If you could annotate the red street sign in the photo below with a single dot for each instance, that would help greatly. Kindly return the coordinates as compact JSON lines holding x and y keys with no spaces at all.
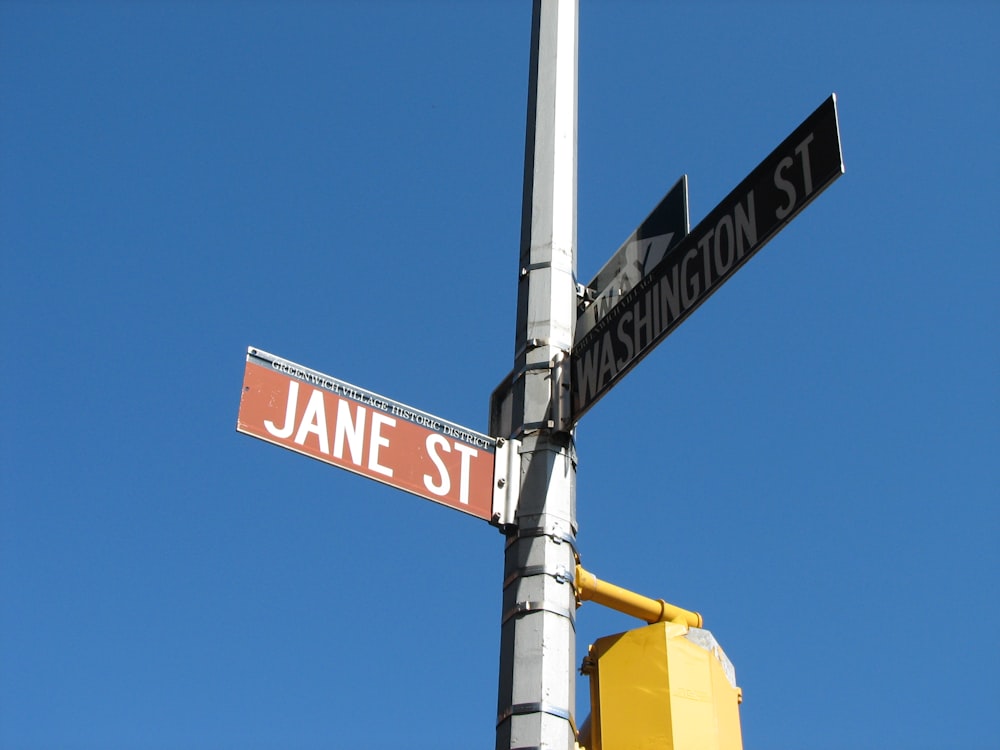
{"x":325,"y":418}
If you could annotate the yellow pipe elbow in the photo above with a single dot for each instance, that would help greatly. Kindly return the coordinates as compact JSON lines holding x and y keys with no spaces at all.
{"x":590,"y":588}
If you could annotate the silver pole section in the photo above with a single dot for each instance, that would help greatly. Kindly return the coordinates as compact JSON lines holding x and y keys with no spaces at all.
{"x":537,"y":694}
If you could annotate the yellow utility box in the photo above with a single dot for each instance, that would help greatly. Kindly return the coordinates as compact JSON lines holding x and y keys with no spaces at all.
{"x":666,"y":686}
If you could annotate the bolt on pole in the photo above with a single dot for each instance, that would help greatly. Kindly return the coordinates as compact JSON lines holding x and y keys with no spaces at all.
{"x":536,"y":695}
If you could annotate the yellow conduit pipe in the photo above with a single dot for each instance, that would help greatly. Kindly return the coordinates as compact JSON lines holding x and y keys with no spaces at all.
{"x":590,"y":588}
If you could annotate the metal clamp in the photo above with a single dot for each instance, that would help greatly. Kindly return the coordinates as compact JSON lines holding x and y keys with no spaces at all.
{"x":561,"y":392}
{"x":536,"y":343}
{"x":506,"y":483}
{"x":556,"y":369}
{"x":559,"y":572}
{"x":522,"y":709}
{"x":522,"y":608}
{"x":554,"y":532}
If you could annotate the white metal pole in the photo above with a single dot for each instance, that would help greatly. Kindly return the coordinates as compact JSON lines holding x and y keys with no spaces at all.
{"x":536,"y":696}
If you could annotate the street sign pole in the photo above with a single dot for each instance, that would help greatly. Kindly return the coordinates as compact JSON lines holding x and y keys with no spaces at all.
{"x":525,"y":483}
{"x":536,"y":692}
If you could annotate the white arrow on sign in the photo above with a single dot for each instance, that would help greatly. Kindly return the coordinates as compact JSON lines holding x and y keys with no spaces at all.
{"x":665,"y":226}
{"x":637,"y":258}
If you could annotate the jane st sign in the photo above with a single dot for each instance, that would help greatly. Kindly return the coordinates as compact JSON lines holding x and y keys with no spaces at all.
{"x":333,"y":421}
{"x":768,"y":198}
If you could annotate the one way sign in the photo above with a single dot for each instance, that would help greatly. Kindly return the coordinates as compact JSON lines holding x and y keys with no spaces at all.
{"x":666,"y":225}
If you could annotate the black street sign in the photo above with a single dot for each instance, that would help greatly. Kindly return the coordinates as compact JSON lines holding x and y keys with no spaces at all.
{"x":666,"y":225}
{"x":768,"y":198}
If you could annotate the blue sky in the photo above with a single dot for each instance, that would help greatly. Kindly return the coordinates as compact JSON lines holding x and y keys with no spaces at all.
{"x":809,"y":460}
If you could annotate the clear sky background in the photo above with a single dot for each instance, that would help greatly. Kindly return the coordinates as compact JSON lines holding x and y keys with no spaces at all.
{"x":810,"y":460}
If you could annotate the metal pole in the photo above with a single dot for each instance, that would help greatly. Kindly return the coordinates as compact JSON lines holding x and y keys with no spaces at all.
{"x":536,"y":696}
